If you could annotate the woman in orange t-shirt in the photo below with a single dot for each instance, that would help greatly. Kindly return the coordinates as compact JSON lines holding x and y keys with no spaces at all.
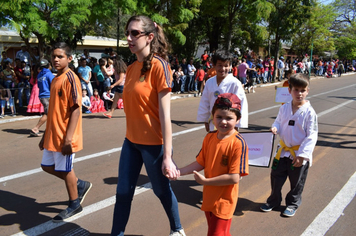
{"x":148,"y":139}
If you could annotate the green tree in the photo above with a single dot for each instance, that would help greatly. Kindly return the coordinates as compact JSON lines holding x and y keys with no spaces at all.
{"x":48,"y":20}
{"x":284,"y":21}
{"x":234,"y":22}
{"x":316,"y":30}
{"x":345,"y":28}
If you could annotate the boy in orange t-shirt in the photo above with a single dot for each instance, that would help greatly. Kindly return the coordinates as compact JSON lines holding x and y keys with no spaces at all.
{"x":63,"y":136}
{"x":224,"y":158}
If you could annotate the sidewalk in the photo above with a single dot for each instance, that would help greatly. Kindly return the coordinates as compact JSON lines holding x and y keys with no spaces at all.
{"x":23,"y":115}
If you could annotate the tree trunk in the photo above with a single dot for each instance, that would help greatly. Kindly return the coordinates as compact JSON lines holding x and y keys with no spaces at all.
{"x":118,"y":30}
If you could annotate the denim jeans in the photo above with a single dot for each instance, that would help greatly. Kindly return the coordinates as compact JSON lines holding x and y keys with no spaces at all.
{"x":107,"y":83}
{"x":183,"y":79}
{"x":24,"y":87}
{"x":88,"y":87}
{"x":265,"y":76}
{"x":133,"y":156}
{"x":192,"y":84}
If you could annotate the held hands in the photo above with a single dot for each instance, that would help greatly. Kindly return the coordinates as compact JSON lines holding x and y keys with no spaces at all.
{"x":169,"y":169}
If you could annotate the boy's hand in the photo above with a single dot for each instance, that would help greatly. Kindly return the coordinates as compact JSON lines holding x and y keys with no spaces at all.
{"x":67,"y":148}
{"x":273,"y":130}
{"x":199,"y":178}
{"x":298,"y":161}
{"x":40,"y":145}
{"x":207,"y":127}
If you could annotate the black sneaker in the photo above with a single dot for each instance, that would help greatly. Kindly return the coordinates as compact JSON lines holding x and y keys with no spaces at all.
{"x":67,"y":214}
{"x":83,"y":189}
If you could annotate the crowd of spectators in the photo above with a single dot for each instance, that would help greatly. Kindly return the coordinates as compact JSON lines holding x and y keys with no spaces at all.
{"x":251,"y":70}
{"x":18,"y":75}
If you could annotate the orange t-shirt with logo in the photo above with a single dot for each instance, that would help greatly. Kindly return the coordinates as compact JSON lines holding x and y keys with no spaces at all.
{"x":141,"y":103}
{"x":65,"y":92}
{"x":218,"y":157}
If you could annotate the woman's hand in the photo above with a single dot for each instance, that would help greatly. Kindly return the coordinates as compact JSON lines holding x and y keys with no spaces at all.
{"x":169,"y":169}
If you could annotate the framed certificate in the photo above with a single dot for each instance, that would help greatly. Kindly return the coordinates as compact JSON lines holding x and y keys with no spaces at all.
{"x":260,"y":147}
{"x":283,"y":95}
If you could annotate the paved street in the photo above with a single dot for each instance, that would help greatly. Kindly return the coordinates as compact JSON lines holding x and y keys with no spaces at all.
{"x":29,"y":198}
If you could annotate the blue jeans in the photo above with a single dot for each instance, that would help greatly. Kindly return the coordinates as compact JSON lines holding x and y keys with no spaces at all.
{"x":24,"y":87}
{"x":183,"y":79}
{"x":131,"y":160}
{"x":192,"y":83}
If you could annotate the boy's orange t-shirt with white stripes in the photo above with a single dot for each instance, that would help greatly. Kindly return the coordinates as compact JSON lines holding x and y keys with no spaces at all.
{"x":141,"y":103}
{"x":219,"y":157}
{"x":65,"y":92}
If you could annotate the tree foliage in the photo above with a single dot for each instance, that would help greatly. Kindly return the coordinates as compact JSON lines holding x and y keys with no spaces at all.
{"x":345,"y":28}
{"x":48,"y":20}
{"x":227,"y":24}
{"x":285,"y":20}
{"x":316,"y":31}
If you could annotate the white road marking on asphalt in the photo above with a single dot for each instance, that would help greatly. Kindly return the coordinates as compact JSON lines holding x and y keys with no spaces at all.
{"x":331,"y":213}
{"x":334,"y":108}
{"x":45,"y":227}
{"x":49,"y":225}
{"x":37,"y":170}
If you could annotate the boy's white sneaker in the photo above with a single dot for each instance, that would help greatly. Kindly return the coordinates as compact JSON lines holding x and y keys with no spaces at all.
{"x":178,"y":233}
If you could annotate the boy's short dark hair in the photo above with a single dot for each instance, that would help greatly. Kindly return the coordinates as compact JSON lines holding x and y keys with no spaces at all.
{"x":222,"y":56}
{"x":64,"y":47}
{"x":299,"y":80}
{"x":107,"y":88}
{"x":228,"y":101}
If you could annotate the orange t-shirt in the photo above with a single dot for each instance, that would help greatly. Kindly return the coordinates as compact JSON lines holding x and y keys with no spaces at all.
{"x":66,"y":91}
{"x":211,"y":72}
{"x":141,"y":103}
{"x":218,"y":157}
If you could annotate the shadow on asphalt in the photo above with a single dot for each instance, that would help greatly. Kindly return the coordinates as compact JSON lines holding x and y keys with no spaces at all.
{"x":25,"y":211}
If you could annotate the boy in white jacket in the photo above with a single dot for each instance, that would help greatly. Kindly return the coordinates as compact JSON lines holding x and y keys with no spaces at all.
{"x":297,"y":127}
{"x":223,"y":82}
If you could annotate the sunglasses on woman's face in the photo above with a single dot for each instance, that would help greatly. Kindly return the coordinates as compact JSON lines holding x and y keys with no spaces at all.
{"x":133,"y":33}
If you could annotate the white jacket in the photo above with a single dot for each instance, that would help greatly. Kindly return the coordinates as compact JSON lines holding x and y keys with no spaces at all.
{"x":229,"y":84}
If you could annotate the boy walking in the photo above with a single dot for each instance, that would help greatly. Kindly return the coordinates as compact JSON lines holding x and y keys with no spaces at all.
{"x":297,"y":127}
{"x":223,"y":82}
{"x":224,"y":158}
{"x":63,"y":136}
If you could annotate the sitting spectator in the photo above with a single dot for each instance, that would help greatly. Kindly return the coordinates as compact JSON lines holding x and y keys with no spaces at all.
{"x":97,"y":105}
{"x":85,"y":102}
{"x":8,"y":75}
{"x":108,"y":97}
{"x":6,"y":100}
